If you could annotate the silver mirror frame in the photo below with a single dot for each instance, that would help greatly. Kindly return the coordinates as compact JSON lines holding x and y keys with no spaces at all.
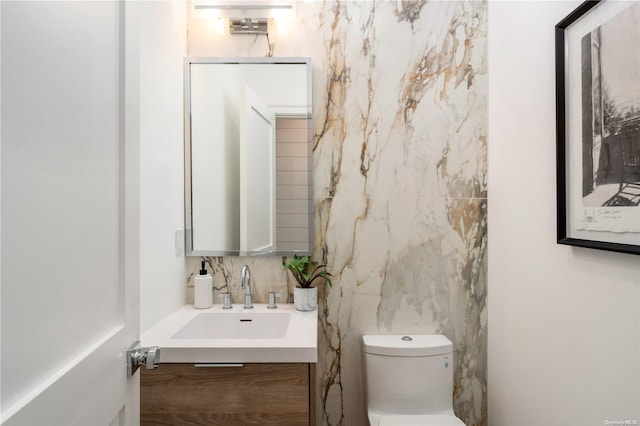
{"x":188,"y":201}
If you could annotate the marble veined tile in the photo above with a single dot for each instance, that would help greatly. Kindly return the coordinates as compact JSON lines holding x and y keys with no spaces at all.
{"x":400,"y":165}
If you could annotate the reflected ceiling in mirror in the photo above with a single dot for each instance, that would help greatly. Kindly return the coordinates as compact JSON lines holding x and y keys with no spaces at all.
{"x":248,"y":167}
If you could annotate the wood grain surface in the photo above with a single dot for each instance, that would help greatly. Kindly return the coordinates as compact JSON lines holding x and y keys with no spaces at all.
{"x":254,"y":394}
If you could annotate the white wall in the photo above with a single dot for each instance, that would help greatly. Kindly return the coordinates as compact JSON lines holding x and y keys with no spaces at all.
{"x":163,"y":47}
{"x":215,"y":159}
{"x":564,"y":324}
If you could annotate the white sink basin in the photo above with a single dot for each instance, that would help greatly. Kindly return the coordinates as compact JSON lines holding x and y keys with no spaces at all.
{"x":236,"y":325}
{"x":236,"y":335}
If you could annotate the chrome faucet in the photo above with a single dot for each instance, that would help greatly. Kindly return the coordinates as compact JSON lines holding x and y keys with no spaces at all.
{"x":245,"y":284}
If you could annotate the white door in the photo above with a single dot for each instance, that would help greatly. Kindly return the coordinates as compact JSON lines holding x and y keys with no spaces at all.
{"x":69,"y":217}
{"x":257,"y":175}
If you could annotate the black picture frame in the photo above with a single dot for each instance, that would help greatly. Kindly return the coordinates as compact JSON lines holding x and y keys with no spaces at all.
{"x":588,"y":119}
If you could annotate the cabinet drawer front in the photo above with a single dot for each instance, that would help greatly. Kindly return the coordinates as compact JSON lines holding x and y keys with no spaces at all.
{"x":254,"y":394}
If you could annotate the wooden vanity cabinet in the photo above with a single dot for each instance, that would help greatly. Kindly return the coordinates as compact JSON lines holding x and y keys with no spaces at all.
{"x":250,"y":394}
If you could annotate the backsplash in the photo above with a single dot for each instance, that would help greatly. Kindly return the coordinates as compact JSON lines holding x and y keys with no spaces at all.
{"x":400,"y":118}
{"x":266,"y":275}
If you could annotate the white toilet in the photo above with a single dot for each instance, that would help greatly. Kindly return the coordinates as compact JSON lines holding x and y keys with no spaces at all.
{"x":409,"y":380}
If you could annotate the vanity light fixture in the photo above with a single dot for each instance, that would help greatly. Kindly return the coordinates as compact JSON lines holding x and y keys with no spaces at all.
{"x":248,"y":26}
{"x":246,"y":17}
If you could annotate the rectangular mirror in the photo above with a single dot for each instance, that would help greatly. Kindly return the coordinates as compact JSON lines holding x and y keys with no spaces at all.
{"x":248,"y":162}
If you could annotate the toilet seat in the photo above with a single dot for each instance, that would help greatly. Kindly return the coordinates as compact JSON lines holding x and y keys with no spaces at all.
{"x":421,"y":420}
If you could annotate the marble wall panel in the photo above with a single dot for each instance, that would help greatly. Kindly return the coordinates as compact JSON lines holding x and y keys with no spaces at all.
{"x":400,"y":118}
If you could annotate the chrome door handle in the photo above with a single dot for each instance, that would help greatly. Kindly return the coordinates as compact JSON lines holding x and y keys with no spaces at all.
{"x":137,"y":356}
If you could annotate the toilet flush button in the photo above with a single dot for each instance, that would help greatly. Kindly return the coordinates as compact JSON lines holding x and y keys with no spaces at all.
{"x":407,"y":338}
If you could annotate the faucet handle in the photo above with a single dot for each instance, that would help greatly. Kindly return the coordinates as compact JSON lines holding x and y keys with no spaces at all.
{"x":226,"y":300}
{"x":271,"y":299}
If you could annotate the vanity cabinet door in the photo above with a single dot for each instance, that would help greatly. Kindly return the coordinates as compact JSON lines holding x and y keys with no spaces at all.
{"x":254,"y":394}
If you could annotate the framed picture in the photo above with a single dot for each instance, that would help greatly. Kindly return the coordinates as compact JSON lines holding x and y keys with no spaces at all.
{"x":598,"y":126}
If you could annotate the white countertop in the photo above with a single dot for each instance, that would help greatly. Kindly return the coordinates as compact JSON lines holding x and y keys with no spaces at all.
{"x":298,"y":345}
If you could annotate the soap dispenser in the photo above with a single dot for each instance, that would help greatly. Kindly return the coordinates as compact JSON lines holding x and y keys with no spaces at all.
{"x":203,"y":289}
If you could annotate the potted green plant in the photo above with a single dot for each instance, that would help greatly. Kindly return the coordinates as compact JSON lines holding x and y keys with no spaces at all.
{"x":306,"y":271}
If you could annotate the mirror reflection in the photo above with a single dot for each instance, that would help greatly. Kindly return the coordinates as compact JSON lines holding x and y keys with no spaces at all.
{"x":248,"y":156}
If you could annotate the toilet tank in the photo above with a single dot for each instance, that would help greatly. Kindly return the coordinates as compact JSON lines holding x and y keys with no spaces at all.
{"x":409,"y":374}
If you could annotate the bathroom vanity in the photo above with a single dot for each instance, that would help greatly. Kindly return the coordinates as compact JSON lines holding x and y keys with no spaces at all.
{"x":228,"y":394}
{"x":232,"y":366}
{"x":248,"y":192}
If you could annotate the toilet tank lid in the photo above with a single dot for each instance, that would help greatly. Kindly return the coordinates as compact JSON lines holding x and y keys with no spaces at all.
{"x":407,"y":344}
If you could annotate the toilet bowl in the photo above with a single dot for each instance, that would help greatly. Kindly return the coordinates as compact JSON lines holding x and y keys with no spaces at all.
{"x":409,"y":380}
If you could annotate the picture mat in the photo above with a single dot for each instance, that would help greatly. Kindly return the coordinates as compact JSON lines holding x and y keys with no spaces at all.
{"x":622,"y":224}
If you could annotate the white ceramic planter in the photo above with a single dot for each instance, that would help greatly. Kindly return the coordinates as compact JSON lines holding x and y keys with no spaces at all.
{"x":305,"y":299}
